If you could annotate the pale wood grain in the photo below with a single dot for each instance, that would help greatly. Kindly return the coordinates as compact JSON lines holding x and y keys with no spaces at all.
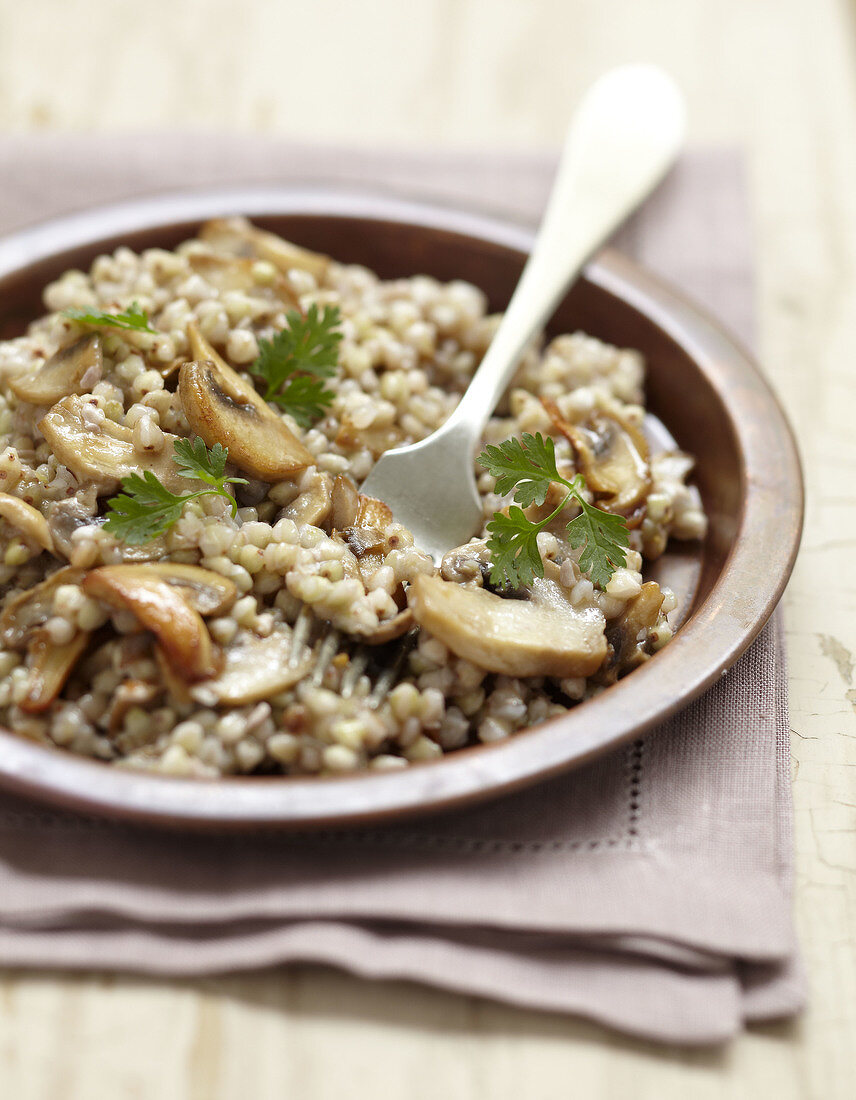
{"x":776,"y":75}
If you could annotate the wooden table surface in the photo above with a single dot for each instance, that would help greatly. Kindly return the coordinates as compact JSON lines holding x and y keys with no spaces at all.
{"x":776,"y":76}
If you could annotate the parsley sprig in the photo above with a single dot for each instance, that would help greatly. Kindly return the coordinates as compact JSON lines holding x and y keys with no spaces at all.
{"x":528,"y":466}
{"x":299,"y":359}
{"x":134,"y":317}
{"x":147,"y":509}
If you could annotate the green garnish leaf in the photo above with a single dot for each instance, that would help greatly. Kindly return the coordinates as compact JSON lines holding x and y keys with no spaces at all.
{"x":131,"y":318}
{"x":604,"y":539}
{"x":529,"y":463}
{"x":195,"y":460}
{"x":513,"y":545}
{"x":528,"y":467}
{"x":297,"y":358}
{"x":307,"y":399}
{"x":146,"y":509}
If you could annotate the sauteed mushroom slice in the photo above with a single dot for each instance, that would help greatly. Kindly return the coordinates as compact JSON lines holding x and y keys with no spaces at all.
{"x":373,"y":513}
{"x":67,"y":516}
{"x":33,"y":608}
{"x":351,"y":508}
{"x":219,"y":411}
{"x":50,"y":667}
{"x":163,"y":608}
{"x":628,"y":633}
{"x":313,"y":504}
{"x":27,"y":519}
{"x":344,"y":503}
{"x":543,"y":636}
{"x":104,"y":453}
{"x":238,"y":237}
{"x":73,"y":369}
{"x":257,"y":668}
{"x":206,"y":591}
{"x":612,"y":454}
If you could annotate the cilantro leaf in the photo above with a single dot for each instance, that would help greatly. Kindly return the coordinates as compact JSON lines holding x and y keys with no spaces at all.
{"x":195,"y":460}
{"x":604,"y":539}
{"x":306,"y":399}
{"x":298,"y":357}
{"x":134,"y":317}
{"x":146,"y":508}
{"x":513,"y":546}
{"x":528,"y":467}
{"x":143,"y":511}
{"x":529,"y":463}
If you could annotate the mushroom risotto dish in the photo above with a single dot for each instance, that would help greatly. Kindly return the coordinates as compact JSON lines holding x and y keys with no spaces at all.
{"x":192,"y":581}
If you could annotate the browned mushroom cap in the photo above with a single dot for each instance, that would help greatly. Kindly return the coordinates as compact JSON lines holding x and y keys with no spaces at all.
{"x":206,"y":591}
{"x":50,"y":667}
{"x":33,"y":608}
{"x":257,"y":668}
{"x":612,"y":454}
{"x":164,"y":609}
{"x":64,"y":373}
{"x":628,"y":634}
{"x":222,"y":408}
{"x":28,"y":520}
{"x":104,"y":454}
{"x":543,"y":636}
{"x":238,"y":237}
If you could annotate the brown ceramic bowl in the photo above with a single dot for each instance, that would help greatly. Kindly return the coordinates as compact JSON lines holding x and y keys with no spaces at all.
{"x":701,"y":385}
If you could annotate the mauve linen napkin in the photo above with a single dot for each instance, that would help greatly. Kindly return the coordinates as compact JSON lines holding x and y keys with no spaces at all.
{"x":649,"y":891}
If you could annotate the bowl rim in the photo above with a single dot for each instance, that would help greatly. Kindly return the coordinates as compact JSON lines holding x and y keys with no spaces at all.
{"x":720,"y":629}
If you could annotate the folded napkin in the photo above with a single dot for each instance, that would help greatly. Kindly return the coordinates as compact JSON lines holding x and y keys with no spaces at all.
{"x":649,"y":890}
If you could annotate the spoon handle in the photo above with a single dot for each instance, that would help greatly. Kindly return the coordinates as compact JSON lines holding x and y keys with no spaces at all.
{"x":622,"y":139}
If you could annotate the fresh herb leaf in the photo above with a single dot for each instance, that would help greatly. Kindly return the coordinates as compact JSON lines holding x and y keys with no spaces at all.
{"x":528,"y":466}
{"x":146,"y":508}
{"x":297,"y":358}
{"x":134,"y":317}
{"x":529,"y":463}
{"x":195,"y":460}
{"x":513,"y":546}
{"x":307,"y":399}
{"x":603,"y":537}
